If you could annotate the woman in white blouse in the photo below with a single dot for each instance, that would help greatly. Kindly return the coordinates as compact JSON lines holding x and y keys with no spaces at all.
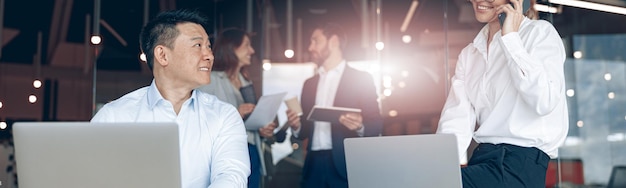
{"x":508,"y":95}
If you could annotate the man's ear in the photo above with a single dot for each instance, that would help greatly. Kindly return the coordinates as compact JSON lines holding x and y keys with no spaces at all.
{"x":160,"y":55}
{"x":333,"y":42}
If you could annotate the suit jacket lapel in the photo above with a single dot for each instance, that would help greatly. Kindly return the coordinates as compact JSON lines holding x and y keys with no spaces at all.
{"x":309,"y":93}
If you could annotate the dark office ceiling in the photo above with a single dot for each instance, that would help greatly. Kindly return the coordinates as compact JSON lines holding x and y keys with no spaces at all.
{"x":125,"y":17}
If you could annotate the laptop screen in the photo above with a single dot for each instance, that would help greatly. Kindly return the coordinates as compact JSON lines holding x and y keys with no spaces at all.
{"x":428,"y":160}
{"x":83,"y":154}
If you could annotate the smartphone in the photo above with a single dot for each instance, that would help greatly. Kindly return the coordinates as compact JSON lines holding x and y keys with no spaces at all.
{"x":525,"y":6}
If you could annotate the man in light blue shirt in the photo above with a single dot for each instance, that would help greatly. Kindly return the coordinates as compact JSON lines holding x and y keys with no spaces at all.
{"x":213,"y":141}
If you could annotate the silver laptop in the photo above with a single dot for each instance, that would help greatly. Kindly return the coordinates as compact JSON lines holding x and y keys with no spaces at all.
{"x":96,"y":155}
{"x":427,"y":160}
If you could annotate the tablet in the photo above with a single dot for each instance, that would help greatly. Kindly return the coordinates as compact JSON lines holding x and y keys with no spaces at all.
{"x":329,"y":114}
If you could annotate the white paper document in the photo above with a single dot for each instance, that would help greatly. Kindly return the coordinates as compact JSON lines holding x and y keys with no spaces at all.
{"x":265,"y":111}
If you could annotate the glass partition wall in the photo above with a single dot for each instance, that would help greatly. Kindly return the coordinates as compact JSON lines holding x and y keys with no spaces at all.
{"x":596,"y":86}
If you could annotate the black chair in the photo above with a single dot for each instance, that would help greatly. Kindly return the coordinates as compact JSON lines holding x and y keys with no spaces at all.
{"x":618,"y":177}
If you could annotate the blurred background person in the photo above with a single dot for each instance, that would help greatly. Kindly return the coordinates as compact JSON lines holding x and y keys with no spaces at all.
{"x":335,"y":85}
{"x":230,"y":83}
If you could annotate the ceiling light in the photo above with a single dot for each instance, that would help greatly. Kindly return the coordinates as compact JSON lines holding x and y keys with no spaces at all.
{"x":546,"y":8}
{"x":37,"y":84}
{"x":142,"y":57}
{"x":289,"y":53}
{"x":393,"y":113}
{"x":578,"y":54}
{"x":32,"y":98}
{"x":387,"y":92}
{"x":607,"y":76}
{"x":570,"y":92}
{"x":267,"y":65}
{"x":590,"y":5}
{"x":406,"y":39}
{"x":409,"y":15}
{"x":96,"y":39}
{"x":380,"y":46}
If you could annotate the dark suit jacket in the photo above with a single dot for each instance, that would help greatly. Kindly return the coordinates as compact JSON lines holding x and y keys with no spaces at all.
{"x":355,"y":90}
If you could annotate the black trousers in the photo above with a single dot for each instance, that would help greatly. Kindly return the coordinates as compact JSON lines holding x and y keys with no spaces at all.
{"x":505,"y":165}
{"x":321,"y":171}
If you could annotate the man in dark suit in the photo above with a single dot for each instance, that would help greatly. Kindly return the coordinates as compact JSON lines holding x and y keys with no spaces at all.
{"x":336,"y":85}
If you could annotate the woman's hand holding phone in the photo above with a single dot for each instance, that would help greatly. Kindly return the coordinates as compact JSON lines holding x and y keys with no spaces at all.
{"x":514,"y":13}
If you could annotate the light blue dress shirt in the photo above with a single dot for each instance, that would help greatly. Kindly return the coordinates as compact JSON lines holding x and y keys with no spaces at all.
{"x":213,"y":147}
{"x":224,"y":90}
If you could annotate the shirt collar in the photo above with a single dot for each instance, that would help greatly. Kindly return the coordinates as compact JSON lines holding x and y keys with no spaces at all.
{"x":154,"y":96}
{"x":480,"y":42}
{"x":193,"y":99}
{"x":338,"y":69}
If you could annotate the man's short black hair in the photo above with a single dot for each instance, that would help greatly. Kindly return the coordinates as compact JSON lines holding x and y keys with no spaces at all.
{"x":162,"y":30}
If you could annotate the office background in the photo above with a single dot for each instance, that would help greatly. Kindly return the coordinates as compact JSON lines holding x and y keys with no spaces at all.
{"x":50,"y":70}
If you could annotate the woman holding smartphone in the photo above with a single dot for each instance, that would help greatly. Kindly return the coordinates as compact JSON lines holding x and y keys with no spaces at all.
{"x":508,"y":94}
